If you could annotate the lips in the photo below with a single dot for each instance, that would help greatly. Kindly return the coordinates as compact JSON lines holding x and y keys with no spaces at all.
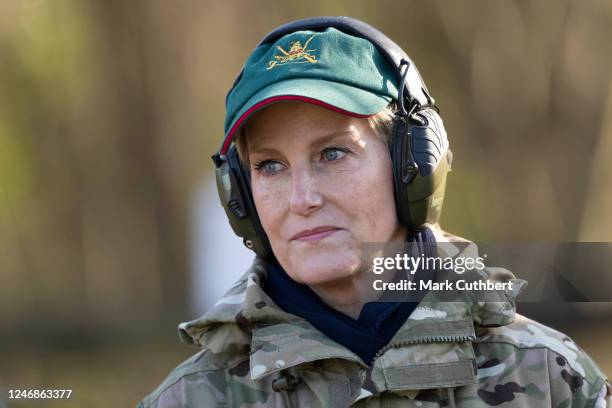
{"x":315,"y":234}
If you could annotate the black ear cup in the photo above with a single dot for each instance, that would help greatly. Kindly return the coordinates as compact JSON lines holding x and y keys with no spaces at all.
{"x":234,"y":187}
{"x":421,"y":160}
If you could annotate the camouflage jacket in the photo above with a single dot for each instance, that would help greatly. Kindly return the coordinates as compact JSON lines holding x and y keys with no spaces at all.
{"x":446,"y":354}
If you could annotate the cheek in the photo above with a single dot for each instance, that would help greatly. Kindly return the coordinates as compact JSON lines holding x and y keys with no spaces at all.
{"x":269,"y":201}
{"x":369,"y":197}
{"x":382,"y":184}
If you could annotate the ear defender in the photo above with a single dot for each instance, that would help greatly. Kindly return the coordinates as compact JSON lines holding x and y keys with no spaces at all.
{"x":234,"y":187}
{"x":419,"y":148}
{"x":421,"y":160}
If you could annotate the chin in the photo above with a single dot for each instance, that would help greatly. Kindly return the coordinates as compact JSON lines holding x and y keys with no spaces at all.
{"x":321,"y":267}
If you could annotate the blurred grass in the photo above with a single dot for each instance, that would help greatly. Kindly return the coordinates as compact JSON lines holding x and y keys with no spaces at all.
{"x":106,"y":376}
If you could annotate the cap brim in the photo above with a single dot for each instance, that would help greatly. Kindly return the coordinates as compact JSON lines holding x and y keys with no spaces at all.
{"x":336,"y":96}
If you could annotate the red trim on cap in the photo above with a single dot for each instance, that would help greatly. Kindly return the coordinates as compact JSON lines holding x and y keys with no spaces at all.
{"x":261,"y":104}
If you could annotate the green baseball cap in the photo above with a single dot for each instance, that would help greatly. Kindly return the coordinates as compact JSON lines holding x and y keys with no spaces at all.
{"x":329,"y":68}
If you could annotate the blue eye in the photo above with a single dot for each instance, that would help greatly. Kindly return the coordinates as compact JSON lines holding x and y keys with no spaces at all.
{"x":268,"y":167}
{"x":333,"y":153}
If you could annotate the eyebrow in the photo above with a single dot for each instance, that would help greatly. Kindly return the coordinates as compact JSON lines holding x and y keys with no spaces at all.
{"x":313,"y":145}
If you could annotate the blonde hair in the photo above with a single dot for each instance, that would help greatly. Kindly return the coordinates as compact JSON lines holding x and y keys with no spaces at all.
{"x":382,"y":123}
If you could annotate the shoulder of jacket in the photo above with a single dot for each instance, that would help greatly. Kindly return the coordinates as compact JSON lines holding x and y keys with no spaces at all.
{"x":525,"y":333}
{"x":445,"y":236}
{"x":203,"y":371}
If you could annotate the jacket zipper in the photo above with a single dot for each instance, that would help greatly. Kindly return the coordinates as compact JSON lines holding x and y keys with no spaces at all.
{"x":424,"y":340}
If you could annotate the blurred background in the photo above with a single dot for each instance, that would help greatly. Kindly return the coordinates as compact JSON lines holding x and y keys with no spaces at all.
{"x":110,"y":229}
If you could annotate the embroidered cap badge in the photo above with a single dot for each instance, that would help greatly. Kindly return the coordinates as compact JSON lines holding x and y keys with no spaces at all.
{"x":297,"y":54}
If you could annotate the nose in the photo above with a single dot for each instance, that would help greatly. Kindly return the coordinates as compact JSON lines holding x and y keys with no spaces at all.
{"x":305,"y":195}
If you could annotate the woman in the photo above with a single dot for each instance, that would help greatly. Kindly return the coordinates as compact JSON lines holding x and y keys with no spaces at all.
{"x":317,"y":118}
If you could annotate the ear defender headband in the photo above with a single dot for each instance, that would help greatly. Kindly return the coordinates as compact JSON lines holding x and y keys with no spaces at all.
{"x":419,"y":149}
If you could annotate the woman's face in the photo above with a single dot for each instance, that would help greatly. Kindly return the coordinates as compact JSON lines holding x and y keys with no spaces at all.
{"x":322,"y":185}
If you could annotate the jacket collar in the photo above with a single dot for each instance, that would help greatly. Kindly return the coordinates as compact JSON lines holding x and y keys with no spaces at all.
{"x":434,"y":344}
